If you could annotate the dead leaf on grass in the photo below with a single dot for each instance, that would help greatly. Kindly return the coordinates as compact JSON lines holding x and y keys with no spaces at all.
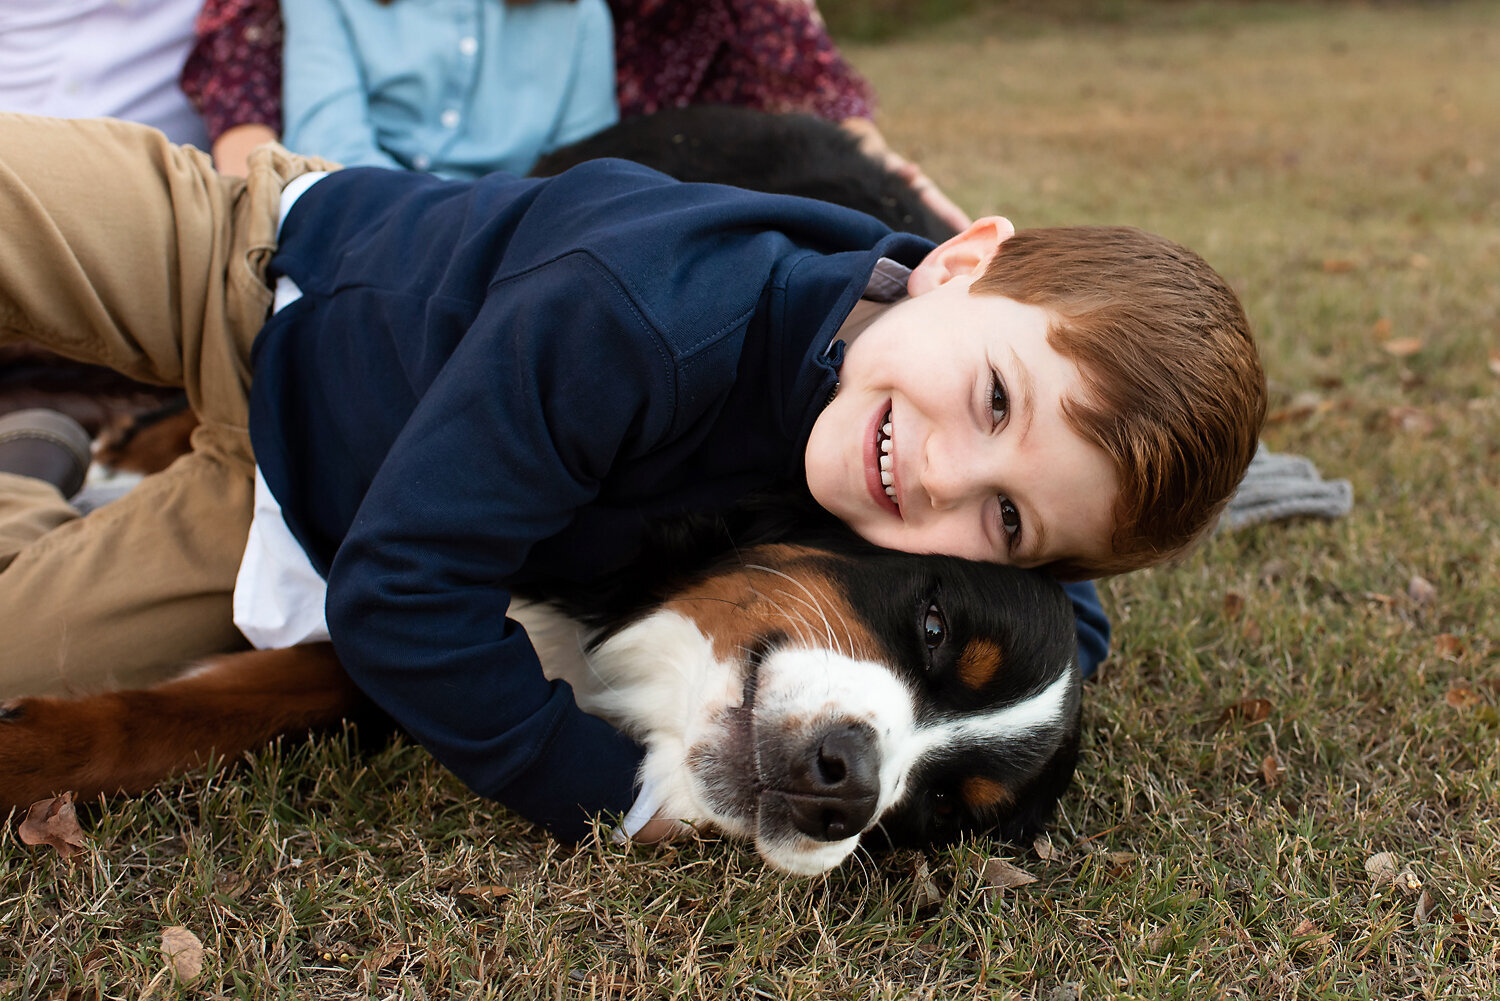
{"x":53,"y":822}
{"x":378,"y":959}
{"x":230,"y":884}
{"x":1426,"y":904}
{"x":1246,"y":712}
{"x":1382,"y":328}
{"x":1275,"y":570}
{"x":486,"y":892}
{"x":1412,"y":420}
{"x":1044,"y":849}
{"x":183,"y":951}
{"x":1381,"y":868}
{"x":1311,"y":937}
{"x":1462,"y":696}
{"x":1337,"y":265}
{"x":1421,"y":591}
{"x":924,"y":889}
{"x":1270,"y":771}
{"x":1403,"y":347}
{"x":1234,"y":604}
{"x":996,"y":874}
{"x":1449,"y":646}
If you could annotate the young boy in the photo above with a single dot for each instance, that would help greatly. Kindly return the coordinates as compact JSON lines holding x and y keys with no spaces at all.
{"x":473,"y":383}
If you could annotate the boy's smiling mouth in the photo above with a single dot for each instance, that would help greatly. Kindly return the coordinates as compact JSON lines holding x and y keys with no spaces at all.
{"x":880,"y":474}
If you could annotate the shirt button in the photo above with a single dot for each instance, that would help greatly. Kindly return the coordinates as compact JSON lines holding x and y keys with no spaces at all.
{"x":421,"y":161}
{"x":450,"y":118}
{"x":468,"y":45}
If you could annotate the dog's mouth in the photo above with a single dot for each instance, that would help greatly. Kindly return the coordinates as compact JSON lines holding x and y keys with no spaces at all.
{"x":727,"y":767}
{"x":739,"y":720}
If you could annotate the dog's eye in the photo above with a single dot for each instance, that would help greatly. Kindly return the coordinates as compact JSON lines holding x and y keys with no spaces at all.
{"x":934,"y":627}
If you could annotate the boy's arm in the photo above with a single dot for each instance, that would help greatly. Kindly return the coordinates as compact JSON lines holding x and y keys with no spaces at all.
{"x":511,"y":439}
{"x":1092,"y":625}
{"x":326,"y":107}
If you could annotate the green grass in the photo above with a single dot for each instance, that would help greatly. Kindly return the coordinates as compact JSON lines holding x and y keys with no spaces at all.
{"x":1342,"y":166}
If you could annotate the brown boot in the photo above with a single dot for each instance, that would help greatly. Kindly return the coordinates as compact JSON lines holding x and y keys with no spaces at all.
{"x":46,"y":445}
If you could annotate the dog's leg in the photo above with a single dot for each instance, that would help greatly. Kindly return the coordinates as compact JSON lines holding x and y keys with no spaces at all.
{"x":128,"y":741}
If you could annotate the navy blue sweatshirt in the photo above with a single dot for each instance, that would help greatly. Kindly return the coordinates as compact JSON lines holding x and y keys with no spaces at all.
{"x":486,"y":381}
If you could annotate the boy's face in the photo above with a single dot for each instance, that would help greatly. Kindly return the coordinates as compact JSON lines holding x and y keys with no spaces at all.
{"x":959,"y":397}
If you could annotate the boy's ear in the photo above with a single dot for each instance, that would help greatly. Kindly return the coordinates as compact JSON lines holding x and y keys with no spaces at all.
{"x":968,"y":253}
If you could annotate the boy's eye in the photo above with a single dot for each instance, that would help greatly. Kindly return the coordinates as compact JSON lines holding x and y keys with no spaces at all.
{"x":1010,"y":519}
{"x":999,"y":401}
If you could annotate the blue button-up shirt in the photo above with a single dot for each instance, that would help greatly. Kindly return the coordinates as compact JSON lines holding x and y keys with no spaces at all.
{"x":458,"y":88}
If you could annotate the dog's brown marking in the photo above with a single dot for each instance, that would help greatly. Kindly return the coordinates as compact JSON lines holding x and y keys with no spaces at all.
{"x":128,"y":741}
{"x":984,"y":794}
{"x":979,"y":663}
{"x":147,"y":442}
{"x":780,"y":589}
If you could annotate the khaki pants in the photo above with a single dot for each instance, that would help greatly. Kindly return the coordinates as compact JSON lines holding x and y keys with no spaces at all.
{"x":120,"y":249}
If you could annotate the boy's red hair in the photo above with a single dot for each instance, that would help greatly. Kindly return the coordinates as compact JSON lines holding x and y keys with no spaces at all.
{"x":1175,"y":391}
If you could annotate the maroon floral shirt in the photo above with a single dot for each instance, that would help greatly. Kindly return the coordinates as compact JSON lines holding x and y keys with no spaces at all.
{"x":233,"y":74}
{"x":774,"y":55}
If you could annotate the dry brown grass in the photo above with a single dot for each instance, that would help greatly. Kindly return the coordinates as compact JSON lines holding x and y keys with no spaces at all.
{"x":1342,"y":166}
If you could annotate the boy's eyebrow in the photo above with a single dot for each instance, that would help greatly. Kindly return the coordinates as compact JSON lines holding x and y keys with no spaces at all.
{"x":1025,"y":392}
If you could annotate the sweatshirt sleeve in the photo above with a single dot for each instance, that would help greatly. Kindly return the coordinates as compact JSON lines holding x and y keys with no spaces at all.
{"x":1091,"y":623}
{"x":498,"y":455}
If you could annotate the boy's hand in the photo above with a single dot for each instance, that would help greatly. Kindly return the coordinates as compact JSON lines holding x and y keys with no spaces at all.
{"x":873,"y":144}
{"x":646,"y":823}
{"x":661,"y":828}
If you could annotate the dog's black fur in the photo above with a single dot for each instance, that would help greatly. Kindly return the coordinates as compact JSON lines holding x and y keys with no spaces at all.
{"x":789,"y":154}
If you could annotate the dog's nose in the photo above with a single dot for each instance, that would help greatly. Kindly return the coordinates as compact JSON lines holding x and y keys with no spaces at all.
{"x":835,"y":782}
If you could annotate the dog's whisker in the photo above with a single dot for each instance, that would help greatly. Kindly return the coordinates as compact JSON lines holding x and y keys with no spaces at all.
{"x":812,"y":601}
{"x":804,"y":625}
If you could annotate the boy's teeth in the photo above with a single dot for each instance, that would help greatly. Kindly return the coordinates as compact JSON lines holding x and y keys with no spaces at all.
{"x":886,"y":478}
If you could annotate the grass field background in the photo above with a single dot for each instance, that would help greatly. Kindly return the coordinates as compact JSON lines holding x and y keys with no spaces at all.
{"x":1289,"y":787}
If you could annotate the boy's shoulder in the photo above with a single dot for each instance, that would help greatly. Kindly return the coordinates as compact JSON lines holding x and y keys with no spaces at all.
{"x":691,"y":259}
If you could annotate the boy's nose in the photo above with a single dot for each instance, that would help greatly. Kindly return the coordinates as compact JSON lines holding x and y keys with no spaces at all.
{"x":949,"y":477}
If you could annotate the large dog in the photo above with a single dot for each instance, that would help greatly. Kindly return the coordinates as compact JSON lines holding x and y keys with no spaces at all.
{"x":800,"y":693}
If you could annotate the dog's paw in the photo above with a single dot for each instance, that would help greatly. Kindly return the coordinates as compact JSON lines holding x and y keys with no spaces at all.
{"x":32,"y":753}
